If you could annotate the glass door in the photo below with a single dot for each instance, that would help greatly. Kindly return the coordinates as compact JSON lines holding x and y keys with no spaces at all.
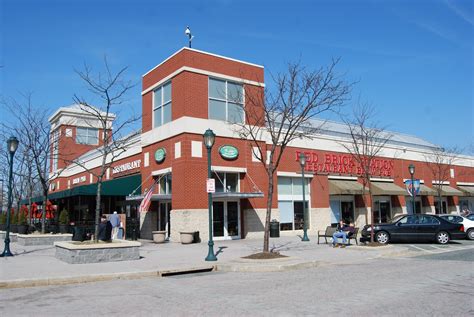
{"x":382,"y":211}
{"x":226,"y":220}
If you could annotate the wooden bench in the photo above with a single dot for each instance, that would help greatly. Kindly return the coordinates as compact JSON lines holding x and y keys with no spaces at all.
{"x":331,"y":230}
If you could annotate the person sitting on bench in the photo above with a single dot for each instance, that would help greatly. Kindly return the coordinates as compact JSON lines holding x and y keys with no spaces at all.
{"x":344,"y":231}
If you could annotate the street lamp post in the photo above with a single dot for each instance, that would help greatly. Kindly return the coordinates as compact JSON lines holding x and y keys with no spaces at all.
{"x":411,"y":169}
{"x":305,"y":211}
{"x":12,"y":145}
{"x":209,"y":138}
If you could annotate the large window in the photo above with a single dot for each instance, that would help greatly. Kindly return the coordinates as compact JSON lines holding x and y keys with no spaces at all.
{"x":162,"y":105}
{"x":290,"y":202}
{"x":226,"y":182}
{"x":88,"y":136}
{"x":226,"y":101}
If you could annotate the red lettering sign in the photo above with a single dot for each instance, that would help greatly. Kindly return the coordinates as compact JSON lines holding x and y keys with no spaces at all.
{"x":344,"y":164}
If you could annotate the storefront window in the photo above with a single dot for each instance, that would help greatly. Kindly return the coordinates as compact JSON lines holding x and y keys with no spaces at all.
{"x":382,"y":212}
{"x":226,"y":182}
{"x":165,"y":184}
{"x":290,"y":202}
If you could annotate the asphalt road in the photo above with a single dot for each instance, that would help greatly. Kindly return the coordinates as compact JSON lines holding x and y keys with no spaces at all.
{"x":436,"y":284}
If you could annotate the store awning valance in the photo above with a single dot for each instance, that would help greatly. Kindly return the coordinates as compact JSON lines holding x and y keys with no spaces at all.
{"x":426,"y":191}
{"x":345,"y":187}
{"x":450,"y":191}
{"x":467,"y":190}
{"x":238,"y":195}
{"x":386,"y":188}
{"x":122,"y":186}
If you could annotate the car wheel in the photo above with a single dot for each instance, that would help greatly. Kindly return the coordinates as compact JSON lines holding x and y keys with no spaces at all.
{"x":382,"y":237}
{"x":442,"y":237}
{"x":470,"y":234}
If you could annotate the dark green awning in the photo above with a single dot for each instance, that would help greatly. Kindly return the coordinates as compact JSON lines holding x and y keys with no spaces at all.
{"x":123,"y":186}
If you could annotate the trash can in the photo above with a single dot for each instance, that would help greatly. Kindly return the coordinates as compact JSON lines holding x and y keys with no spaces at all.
{"x":77,"y":234}
{"x":274,"y":229}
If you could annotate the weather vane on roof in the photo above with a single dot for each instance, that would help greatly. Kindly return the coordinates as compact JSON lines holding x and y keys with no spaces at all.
{"x":190,"y":36}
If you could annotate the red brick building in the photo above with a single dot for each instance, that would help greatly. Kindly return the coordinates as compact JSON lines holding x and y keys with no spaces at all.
{"x":193,"y":91}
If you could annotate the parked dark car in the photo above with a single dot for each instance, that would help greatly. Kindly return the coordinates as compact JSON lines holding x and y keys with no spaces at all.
{"x":415,"y":228}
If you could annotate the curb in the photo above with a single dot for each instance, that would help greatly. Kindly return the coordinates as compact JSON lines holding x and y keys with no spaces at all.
{"x":65,"y":280}
{"x":266,"y":267}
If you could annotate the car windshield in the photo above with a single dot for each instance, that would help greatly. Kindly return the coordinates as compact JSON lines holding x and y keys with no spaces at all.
{"x":470,"y":217}
{"x":395,"y":219}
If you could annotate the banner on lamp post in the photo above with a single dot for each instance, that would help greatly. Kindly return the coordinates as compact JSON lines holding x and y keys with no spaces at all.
{"x":415,"y":186}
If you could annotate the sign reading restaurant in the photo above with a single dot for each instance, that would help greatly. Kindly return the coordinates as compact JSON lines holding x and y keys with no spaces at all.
{"x":126,"y":167}
{"x":343,"y":164}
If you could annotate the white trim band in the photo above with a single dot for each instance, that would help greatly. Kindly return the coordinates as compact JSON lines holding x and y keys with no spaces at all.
{"x":202,"y":72}
{"x":228,"y":169}
{"x":162,"y":171}
{"x":293,"y":174}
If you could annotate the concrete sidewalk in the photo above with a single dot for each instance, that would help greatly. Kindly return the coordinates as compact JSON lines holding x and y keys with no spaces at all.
{"x":37,"y":265}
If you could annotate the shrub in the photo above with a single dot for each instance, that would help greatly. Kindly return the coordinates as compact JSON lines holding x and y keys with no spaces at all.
{"x":13,"y":218}
{"x":64,"y":217}
{"x":22,"y":218}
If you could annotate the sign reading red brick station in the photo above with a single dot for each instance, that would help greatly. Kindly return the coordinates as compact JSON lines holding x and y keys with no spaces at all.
{"x":343,"y":164}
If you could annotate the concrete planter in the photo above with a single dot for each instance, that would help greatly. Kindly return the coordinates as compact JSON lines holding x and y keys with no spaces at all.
{"x":42,"y":239}
{"x":13,"y":236}
{"x":80,"y":253}
{"x":187,"y":237}
{"x":159,"y":236}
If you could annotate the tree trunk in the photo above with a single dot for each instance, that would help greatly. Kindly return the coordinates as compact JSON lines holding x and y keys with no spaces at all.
{"x":97,"y":209}
{"x":43,"y":215}
{"x":266,"y":236}
{"x":372,"y":213}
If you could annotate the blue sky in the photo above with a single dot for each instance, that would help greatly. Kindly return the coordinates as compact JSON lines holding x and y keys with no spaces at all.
{"x":413,"y":60}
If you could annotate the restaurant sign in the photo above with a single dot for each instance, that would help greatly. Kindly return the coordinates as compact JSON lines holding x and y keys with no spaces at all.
{"x":78,"y":180}
{"x":126,"y":167}
{"x":228,"y":152}
{"x":344,"y":164}
{"x":160,"y":155}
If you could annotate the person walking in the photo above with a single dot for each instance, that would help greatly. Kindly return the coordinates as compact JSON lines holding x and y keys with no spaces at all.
{"x":115,"y":221}
{"x":105,"y":230}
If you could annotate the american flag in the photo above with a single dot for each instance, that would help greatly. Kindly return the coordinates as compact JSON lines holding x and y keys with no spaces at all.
{"x":145,"y":204}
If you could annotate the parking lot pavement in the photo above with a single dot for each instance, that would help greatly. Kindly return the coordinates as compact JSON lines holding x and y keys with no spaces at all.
{"x":433,"y":248}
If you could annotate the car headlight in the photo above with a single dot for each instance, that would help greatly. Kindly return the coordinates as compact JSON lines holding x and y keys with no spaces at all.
{"x":369,"y":229}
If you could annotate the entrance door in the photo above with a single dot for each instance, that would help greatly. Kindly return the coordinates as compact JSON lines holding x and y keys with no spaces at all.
{"x":226,"y":220}
{"x":164,"y":218}
{"x":382,"y":211}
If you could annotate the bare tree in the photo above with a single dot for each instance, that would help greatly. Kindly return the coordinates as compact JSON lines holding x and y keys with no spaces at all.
{"x":440,"y":162}
{"x":110,"y":88}
{"x":33,"y":130}
{"x":367,"y":139}
{"x":275,"y":119}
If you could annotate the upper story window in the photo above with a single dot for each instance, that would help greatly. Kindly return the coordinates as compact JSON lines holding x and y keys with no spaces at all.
{"x":55,"y":145}
{"x":88,"y":136}
{"x":162,"y":105}
{"x":226,"y":101}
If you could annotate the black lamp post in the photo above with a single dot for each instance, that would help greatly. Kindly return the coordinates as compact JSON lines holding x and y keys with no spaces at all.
{"x":411,"y":169}
{"x":305,"y":211}
{"x":12,"y":145}
{"x":209,"y":138}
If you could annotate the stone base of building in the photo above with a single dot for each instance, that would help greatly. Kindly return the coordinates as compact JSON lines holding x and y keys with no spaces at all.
{"x":80,"y":253}
{"x":42,"y":239}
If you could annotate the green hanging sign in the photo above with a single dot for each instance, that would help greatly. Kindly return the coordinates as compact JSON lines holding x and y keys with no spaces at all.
{"x":229,"y":152}
{"x":160,"y":155}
